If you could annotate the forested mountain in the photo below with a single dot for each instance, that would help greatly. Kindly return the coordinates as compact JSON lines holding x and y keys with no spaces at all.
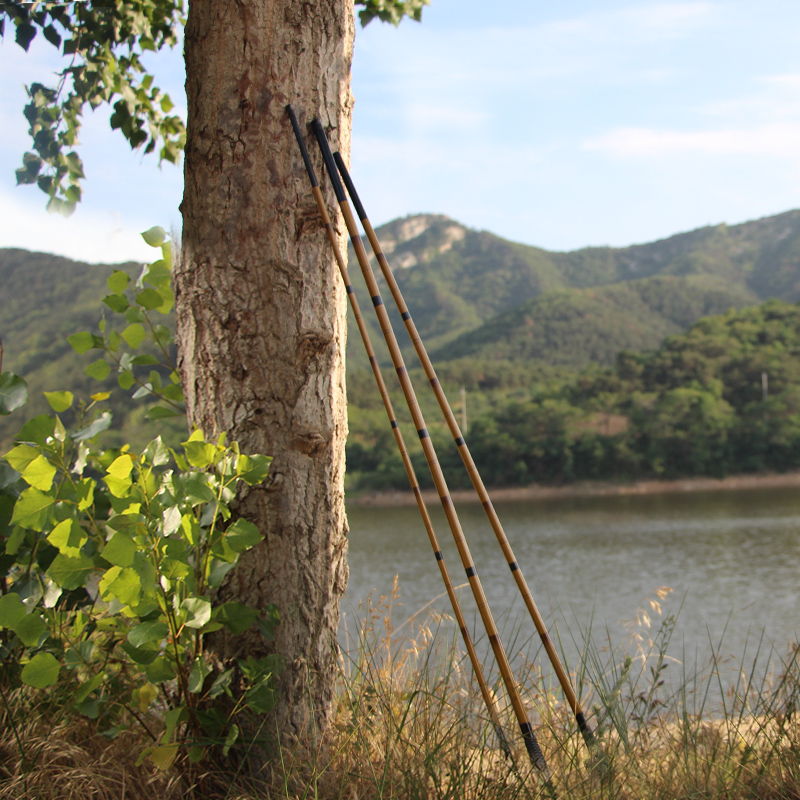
{"x":455,"y":280}
{"x":498,"y":316}
{"x":44,"y":299}
{"x":721,"y":398}
{"x":575,"y":326}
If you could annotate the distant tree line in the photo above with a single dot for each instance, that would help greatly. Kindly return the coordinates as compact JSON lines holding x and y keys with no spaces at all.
{"x":722,"y":398}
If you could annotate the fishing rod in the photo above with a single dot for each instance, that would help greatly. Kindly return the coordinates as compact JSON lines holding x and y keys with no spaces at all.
{"x":466,"y":457}
{"x":401,"y":446}
{"x":531,"y":744}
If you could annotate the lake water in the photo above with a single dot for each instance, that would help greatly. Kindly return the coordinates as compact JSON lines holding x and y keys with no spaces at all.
{"x":731,"y":558}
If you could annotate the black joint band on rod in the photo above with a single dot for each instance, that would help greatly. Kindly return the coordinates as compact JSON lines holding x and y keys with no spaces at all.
{"x":394,"y":423}
{"x":406,"y":315}
{"x":513,"y":566}
{"x":348,"y":182}
{"x":532,"y":746}
{"x":423,"y":433}
{"x":325,"y":149}
{"x":439,"y":555}
{"x":303,"y":151}
{"x":377,"y":300}
{"x":349,"y":289}
{"x":460,"y":441}
{"x":471,"y":572}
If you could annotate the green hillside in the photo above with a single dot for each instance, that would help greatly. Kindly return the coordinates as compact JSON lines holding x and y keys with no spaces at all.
{"x":455,"y":279}
{"x":721,"y":398}
{"x":44,"y":299}
{"x":497,"y":315}
{"x":575,"y":326}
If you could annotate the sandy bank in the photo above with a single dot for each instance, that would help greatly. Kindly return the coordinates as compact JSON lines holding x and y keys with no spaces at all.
{"x":591,"y":489}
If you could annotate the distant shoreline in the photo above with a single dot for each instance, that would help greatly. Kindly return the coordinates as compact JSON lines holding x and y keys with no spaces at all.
{"x":590,"y":489}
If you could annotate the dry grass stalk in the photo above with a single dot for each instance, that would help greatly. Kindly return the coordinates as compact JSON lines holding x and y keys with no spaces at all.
{"x":410,"y":724}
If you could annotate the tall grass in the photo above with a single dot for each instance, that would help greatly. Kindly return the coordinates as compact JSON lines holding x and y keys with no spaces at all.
{"x":410,"y":723}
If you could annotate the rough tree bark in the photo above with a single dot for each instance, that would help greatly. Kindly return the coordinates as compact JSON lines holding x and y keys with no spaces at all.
{"x":261,"y":310}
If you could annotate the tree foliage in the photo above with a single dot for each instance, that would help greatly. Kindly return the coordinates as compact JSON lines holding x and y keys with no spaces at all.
{"x":722,"y":398}
{"x":102,"y":44}
{"x":110,"y":559}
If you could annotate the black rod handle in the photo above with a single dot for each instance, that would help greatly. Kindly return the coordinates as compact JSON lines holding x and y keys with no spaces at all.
{"x":327,"y":156}
{"x":348,"y":182}
{"x":303,"y":151}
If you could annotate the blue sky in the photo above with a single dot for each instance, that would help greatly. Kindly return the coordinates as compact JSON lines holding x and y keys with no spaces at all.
{"x":560,"y":125}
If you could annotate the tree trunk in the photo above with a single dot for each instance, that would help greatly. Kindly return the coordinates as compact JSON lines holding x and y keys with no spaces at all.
{"x":261,"y":312}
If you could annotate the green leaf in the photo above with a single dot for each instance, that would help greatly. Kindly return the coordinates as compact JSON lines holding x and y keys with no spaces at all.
{"x":82,"y":342}
{"x":121,"y":466}
{"x":230,"y":739}
{"x":38,"y":430}
{"x":236,"y":617}
{"x":39,"y":474}
{"x":156,"y":453}
{"x":269,"y":622}
{"x":84,"y":493}
{"x":145,"y":361}
{"x":197,"y":675}
{"x":221,"y":683}
{"x":32,"y":509}
{"x":102,"y":423}
{"x":148,"y":633}
{"x":123,"y":583}
{"x":134,"y":335}
{"x":114,"y":341}
{"x":21,"y":456}
{"x":190,"y":528}
{"x":253,"y":469}
{"x":154,"y":236}
{"x":13,"y":392}
{"x":69,"y":537}
{"x":118,"y":281}
{"x":120,"y":550}
{"x":163,"y":412}
{"x":70,"y":573}
{"x":164,"y":756}
{"x":198,"y":611}
{"x":41,"y":671}
{"x":242,"y":535}
{"x":135,"y":314}
{"x":12,"y":610}
{"x":14,"y":542}
{"x":85,"y":689}
{"x":149,"y":299}
{"x":30,"y":629}
{"x":199,"y":453}
{"x":161,"y":670}
{"x":140,"y":655}
{"x":99,"y":370}
{"x":118,"y":478}
{"x":126,"y":379}
{"x":59,"y":401}
{"x":261,"y":698}
{"x":117,"y":303}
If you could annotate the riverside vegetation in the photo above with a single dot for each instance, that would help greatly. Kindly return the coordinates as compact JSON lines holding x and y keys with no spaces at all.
{"x":111,"y":555}
{"x":547,"y":346}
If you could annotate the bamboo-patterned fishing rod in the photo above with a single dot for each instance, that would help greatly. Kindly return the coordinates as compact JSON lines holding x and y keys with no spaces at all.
{"x":466,"y":457}
{"x":532,"y":745}
{"x":488,"y":699}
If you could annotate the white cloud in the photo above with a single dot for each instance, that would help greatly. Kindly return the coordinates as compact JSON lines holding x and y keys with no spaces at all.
{"x":96,"y":237}
{"x":778,"y":139}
